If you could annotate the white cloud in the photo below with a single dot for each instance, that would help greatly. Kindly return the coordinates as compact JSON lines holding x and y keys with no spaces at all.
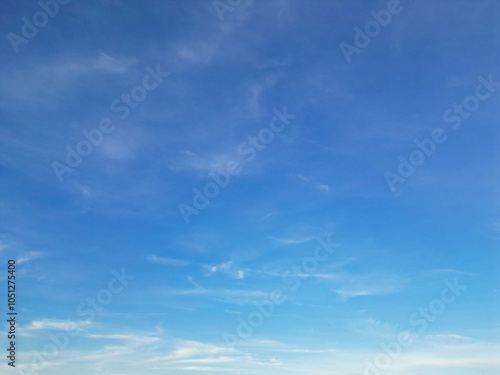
{"x":221,"y":267}
{"x":136,"y":339}
{"x":292,"y":240}
{"x":188,"y":349}
{"x":43,"y":80}
{"x":58,"y":325}
{"x":350,"y":291}
{"x":307,"y":351}
{"x":166,"y":261}
{"x":233,"y":312}
{"x":329,"y":276}
{"x":441,"y":360}
{"x":209,"y":360}
{"x":226,"y":268}
{"x":192,"y":162}
{"x":221,"y":293}
{"x":274,"y":63}
{"x":31,"y":255}
{"x":194,"y":283}
{"x":199,"y":52}
{"x":447,"y":337}
{"x":199,"y":368}
{"x":112,"y":65}
{"x":372,"y":326}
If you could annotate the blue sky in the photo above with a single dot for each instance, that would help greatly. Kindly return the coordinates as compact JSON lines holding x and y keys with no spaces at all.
{"x":322,"y":177}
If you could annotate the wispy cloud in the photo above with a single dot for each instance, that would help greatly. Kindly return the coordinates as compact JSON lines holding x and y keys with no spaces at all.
{"x":166,"y":261}
{"x":188,"y":349}
{"x":112,"y":65}
{"x":31,"y":255}
{"x":226,"y":268}
{"x":125,"y":337}
{"x":292,"y":240}
{"x":356,"y":286}
{"x":58,"y":325}
{"x":372,"y":327}
{"x":447,"y":337}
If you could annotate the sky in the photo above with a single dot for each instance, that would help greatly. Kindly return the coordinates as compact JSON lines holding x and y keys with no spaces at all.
{"x":249,"y":187}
